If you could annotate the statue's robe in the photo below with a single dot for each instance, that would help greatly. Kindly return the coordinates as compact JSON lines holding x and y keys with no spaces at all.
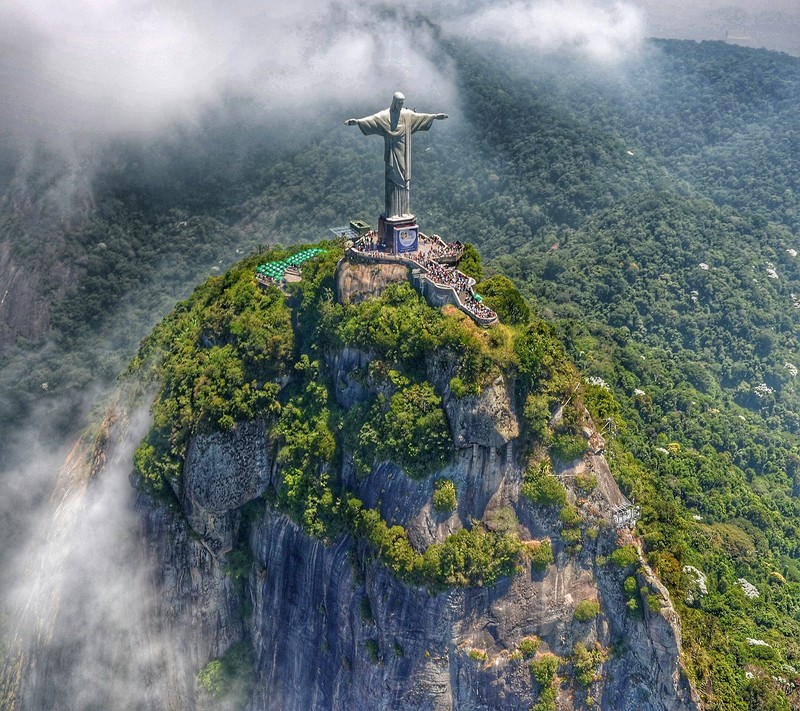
{"x":396,"y":129}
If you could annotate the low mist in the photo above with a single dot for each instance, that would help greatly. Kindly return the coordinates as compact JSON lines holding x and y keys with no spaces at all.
{"x":79,"y":595}
{"x":606,"y":32}
{"x":87,"y":71}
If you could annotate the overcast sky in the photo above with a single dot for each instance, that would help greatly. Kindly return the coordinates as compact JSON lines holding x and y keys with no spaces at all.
{"x":91,"y":69}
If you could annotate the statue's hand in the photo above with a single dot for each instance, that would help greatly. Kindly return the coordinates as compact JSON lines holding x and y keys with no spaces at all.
{"x":351,"y":122}
{"x":441,"y":116}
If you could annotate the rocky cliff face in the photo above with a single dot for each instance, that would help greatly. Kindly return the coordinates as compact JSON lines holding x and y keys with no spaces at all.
{"x":35,"y":219}
{"x":356,"y":282}
{"x":27,"y":293}
{"x":330,"y":627}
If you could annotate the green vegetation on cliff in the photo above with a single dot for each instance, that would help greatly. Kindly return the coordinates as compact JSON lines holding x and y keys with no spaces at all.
{"x":409,"y":429}
{"x":220,"y":358}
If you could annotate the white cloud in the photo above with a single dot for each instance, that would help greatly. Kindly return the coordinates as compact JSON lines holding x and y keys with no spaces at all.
{"x":607,"y":32}
{"x":92,"y":69}
{"x":82,"y":581}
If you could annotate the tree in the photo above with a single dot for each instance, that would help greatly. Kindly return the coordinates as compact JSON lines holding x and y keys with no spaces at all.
{"x":502,"y":296}
{"x":470,"y":263}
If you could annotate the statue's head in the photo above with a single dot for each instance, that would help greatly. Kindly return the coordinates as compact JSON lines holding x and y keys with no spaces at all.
{"x":397,"y":100}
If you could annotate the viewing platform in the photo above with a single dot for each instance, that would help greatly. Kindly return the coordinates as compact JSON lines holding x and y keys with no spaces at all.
{"x":433,"y":272}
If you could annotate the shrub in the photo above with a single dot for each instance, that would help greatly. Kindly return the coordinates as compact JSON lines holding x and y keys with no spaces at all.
{"x":502,"y":519}
{"x":478,"y":655}
{"x":547,"y":491}
{"x":571,"y":536}
{"x":239,"y":563}
{"x":465,"y":558}
{"x":536,"y":416}
{"x":409,"y":429}
{"x":528,"y":646}
{"x":475,"y":557}
{"x":546,"y":700}
{"x":569,"y":516}
{"x":501,"y":295}
{"x":585,"y":664}
{"x":568,"y":447}
{"x":762,"y":651}
{"x":625,"y":556}
{"x":458,"y":387}
{"x":372,"y":650}
{"x":444,"y":495}
{"x":586,"y":482}
{"x":544,"y":670}
{"x":210,"y":678}
{"x":587,"y":610}
{"x":365,"y":610}
{"x":229,"y":676}
{"x":543,"y":488}
{"x":540,"y":554}
{"x":470,"y":262}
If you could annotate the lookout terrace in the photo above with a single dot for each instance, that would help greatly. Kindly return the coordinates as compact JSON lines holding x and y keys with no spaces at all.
{"x":432,"y":263}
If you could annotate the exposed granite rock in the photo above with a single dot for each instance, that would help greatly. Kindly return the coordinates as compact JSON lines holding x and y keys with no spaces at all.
{"x":199,"y":606}
{"x":317,"y":645}
{"x":356,"y":282}
{"x":222,"y":472}
{"x":316,"y":648}
{"x":648,"y":675}
{"x":225,"y":470}
{"x":487,"y":419}
{"x":349,"y":368}
{"x":478,"y":474}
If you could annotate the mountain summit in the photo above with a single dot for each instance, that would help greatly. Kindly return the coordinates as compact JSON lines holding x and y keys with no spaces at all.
{"x":383,"y":505}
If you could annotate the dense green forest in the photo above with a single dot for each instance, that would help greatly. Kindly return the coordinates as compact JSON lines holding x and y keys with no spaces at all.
{"x":650,"y":213}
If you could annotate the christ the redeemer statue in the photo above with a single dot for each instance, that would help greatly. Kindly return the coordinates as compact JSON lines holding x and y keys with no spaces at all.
{"x":396,"y":125}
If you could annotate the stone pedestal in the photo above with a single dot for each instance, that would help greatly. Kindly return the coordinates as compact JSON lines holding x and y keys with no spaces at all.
{"x":399,"y":234}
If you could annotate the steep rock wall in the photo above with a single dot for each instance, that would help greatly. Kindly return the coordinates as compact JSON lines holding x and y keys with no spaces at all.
{"x":356,"y":282}
{"x":331,"y":628}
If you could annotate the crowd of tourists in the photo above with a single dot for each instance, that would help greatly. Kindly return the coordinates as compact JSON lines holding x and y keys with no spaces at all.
{"x":438,"y":273}
{"x":476,"y":307}
{"x":368,"y":242}
{"x":450,"y":276}
{"x":441,"y":250}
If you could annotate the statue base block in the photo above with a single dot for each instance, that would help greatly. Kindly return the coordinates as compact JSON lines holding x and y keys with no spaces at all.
{"x":399,"y":235}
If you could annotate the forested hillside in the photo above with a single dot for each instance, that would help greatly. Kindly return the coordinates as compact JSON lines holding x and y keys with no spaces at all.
{"x":651,"y":213}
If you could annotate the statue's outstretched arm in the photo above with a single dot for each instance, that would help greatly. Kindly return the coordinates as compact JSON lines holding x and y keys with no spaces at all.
{"x":440,"y":116}
{"x":351,"y":122}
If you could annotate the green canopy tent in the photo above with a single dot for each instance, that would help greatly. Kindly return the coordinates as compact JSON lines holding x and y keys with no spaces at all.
{"x":277,"y":268}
